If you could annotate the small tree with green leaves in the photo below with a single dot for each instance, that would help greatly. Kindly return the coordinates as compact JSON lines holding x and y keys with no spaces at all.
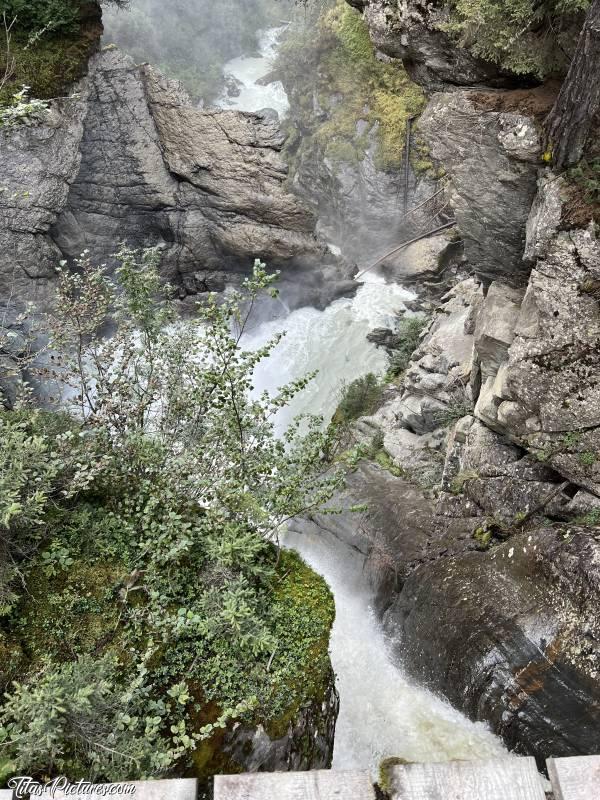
{"x":170,"y":476}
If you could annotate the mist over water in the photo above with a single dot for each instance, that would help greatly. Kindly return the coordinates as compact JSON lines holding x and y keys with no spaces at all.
{"x":191,"y":40}
{"x":382,"y":713}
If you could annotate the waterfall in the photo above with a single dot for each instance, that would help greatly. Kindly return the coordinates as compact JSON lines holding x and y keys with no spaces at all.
{"x":382,"y":713}
{"x":248,"y":72}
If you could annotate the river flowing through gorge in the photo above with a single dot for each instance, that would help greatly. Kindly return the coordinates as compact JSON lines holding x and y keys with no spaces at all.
{"x":382,"y":713}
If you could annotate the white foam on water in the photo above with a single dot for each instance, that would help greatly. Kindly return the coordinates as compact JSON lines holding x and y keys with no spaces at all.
{"x":332,"y":342}
{"x":382,"y":712}
{"x":248,"y":71}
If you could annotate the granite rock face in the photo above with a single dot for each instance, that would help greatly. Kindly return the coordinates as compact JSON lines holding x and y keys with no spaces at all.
{"x":511,"y":636}
{"x":38,"y":165}
{"x":491,"y":159}
{"x":437,"y":378}
{"x":543,"y":392}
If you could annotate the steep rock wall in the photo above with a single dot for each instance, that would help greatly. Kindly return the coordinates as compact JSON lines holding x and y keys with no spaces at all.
{"x":494,"y":603}
{"x":127,"y":158}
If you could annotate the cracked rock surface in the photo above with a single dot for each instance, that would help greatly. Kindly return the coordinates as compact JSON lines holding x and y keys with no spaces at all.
{"x":128,"y":158}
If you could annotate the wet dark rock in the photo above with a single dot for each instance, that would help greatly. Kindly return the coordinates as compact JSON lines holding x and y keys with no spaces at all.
{"x":511,"y":636}
{"x":390,"y":532}
{"x":233,"y":86}
{"x":306,"y":742}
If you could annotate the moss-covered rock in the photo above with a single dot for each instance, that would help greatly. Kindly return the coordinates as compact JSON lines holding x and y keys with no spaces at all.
{"x":293,"y":728}
{"x":356,"y":93}
{"x":349,"y":115}
{"x":78,"y":602}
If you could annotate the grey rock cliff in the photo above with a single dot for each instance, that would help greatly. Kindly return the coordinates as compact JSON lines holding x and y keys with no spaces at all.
{"x":412,"y":31}
{"x":491,"y":159}
{"x":128,"y":158}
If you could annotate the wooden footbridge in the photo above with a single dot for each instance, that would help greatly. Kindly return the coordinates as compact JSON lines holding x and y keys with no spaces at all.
{"x":507,"y":778}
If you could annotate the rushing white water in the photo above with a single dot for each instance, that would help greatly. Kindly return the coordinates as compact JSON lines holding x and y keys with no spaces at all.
{"x":332,"y":342}
{"x":248,"y":71}
{"x":382,"y":713}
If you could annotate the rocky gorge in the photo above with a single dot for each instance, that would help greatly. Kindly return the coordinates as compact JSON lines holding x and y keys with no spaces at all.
{"x":127,"y":157}
{"x":487,"y":584}
{"x":472,"y":506}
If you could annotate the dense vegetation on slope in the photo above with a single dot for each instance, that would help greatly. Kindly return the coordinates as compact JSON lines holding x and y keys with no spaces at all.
{"x":341,"y":90}
{"x":191,"y":40}
{"x":145,"y":605}
{"x":45,"y":44}
{"x":523,"y":36}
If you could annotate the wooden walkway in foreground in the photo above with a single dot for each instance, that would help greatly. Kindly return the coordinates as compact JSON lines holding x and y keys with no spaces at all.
{"x":507,"y":778}
{"x":500,"y":779}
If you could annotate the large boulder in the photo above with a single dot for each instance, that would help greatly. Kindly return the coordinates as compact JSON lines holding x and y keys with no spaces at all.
{"x":491,"y":158}
{"x":511,"y":637}
{"x":413,"y":31}
{"x":128,"y":158}
{"x":485,"y":475}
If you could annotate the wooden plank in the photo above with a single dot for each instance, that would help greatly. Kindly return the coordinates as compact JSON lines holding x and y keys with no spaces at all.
{"x":499,"y":779}
{"x":576,"y":778}
{"x":185,"y":789}
{"x":315,"y":785}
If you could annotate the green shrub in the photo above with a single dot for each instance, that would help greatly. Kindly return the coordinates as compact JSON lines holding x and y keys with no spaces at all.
{"x":34,"y":15}
{"x":523,"y":36}
{"x":151,"y":518}
{"x":359,"y":398}
{"x":409,"y":330}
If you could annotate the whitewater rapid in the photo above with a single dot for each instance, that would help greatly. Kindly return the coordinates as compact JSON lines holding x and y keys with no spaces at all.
{"x":249,"y":73}
{"x":382,"y":713}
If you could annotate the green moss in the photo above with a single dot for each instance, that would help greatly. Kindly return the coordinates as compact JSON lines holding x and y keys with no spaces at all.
{"x":50,"y":66}
{"x":359,"y":93}
{"x":458,"y":483}
{"x":385,"y":461}
{"x":484,"y":537}
{"x":301,"y":667}
{"x":384,"y":771}
{"x":297,"y":675}
{"x":71,"y":612}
